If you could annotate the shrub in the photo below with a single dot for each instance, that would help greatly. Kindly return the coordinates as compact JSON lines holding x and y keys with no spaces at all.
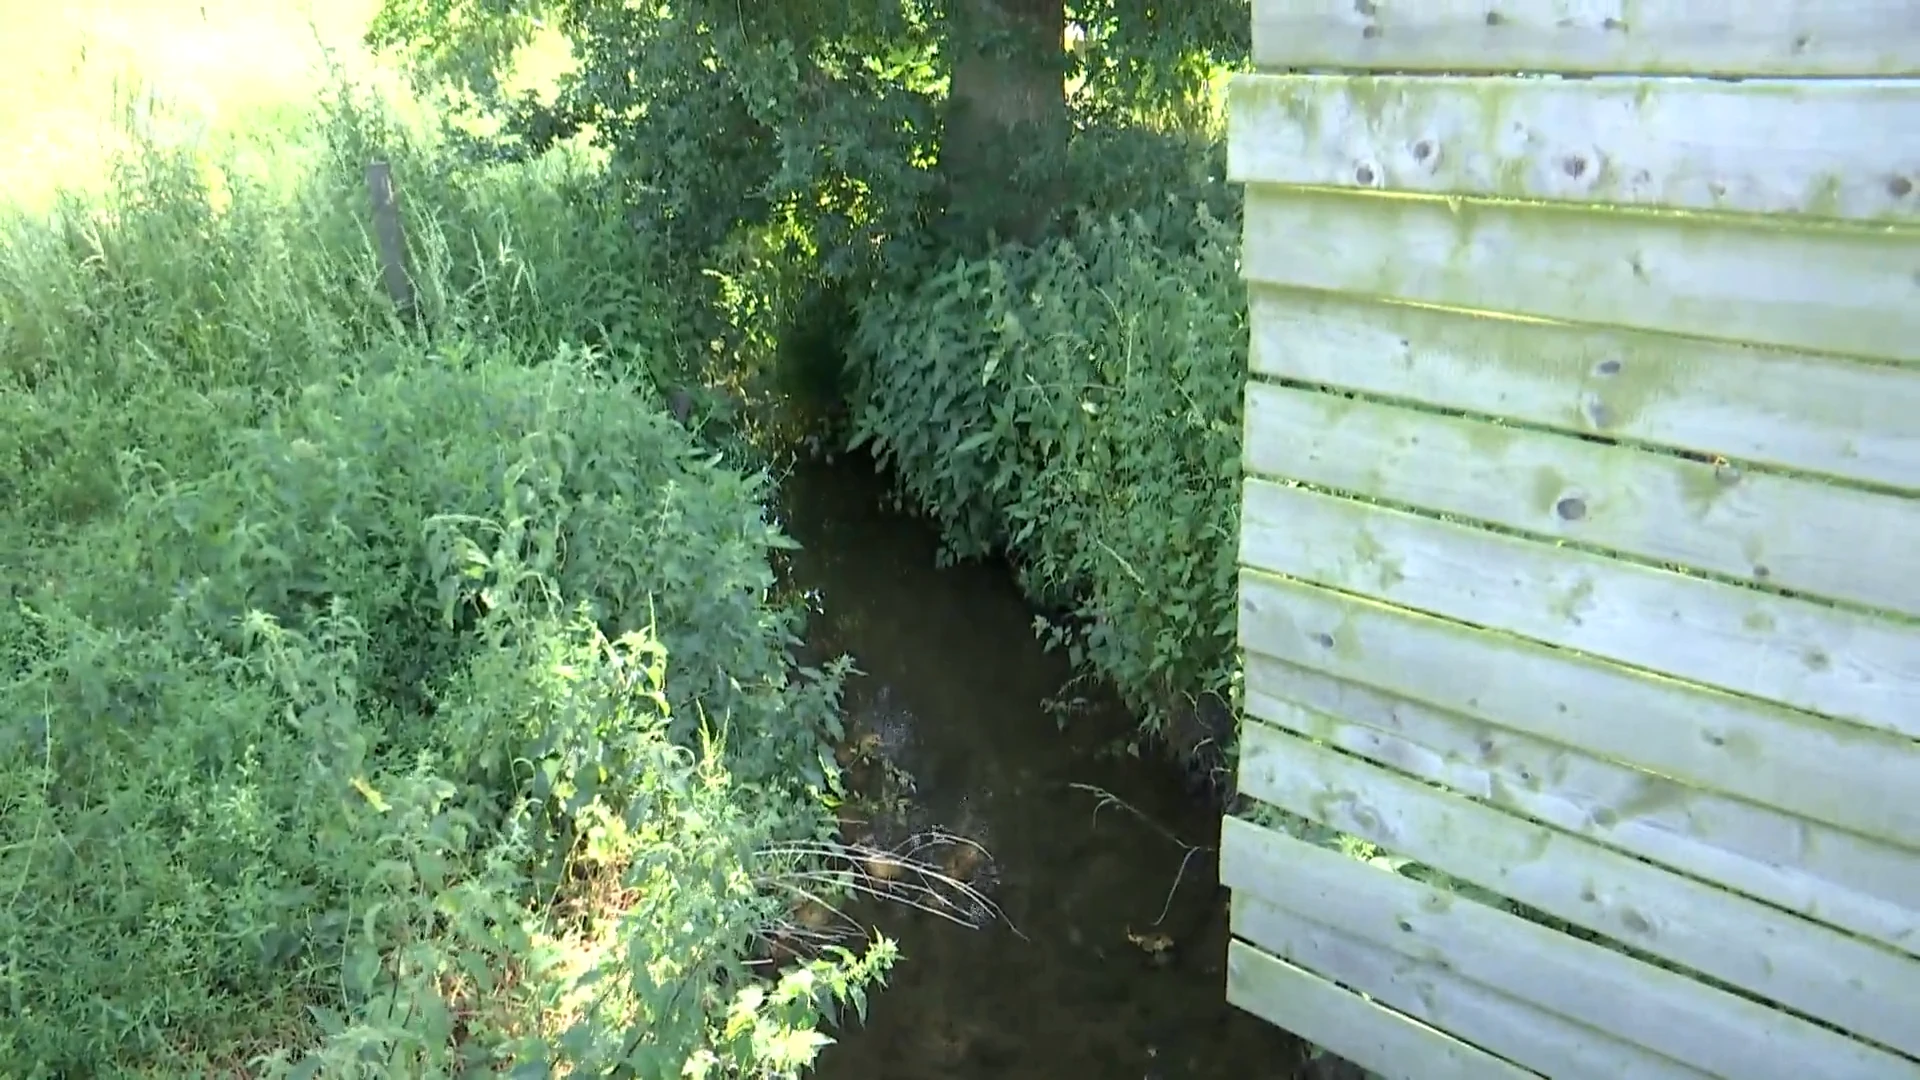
{"x":357,"y":489}
{"x":1079,"y":405}
{"x":338,"y":732}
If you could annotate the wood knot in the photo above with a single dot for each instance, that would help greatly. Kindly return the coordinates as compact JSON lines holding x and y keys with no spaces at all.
{"x":1422,"y":150}
{"x":1372,"y":31}
{"x":1364,"y":175}
{"x":1574,"y":165}
{"x":1899,"y":187}
{"x":1571,"y":508}
{"x":1608,"y":367}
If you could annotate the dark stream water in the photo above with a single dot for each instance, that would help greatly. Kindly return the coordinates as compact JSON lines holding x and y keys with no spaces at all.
{"x":954,"y":687}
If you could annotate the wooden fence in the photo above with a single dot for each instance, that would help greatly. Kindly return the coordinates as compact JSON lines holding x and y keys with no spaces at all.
{"x":1581,"y":538}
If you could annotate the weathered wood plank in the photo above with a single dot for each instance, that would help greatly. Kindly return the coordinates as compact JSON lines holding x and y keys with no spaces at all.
{"x":390,"y":238}
{"x":1661,"y":1010}
{"x":1751,"y":37}
{"x":1840,"y":878}
{"x":1428,"y":992}
{"x":1843,"y":149}
{"x":1790,"y":533}
{"x":1801,"y":653}
{"x":1851,"y":290}
{"x":1375,"y":1038}
{"x":1823,"y":973}
{"x":1846,"y":776}
{"x":1849,"y":420}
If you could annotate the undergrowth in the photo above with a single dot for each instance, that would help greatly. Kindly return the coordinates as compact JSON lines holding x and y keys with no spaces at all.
{"x":1077,"y":405}
{"x":381,"y":699}
{"x":1069,"y":398}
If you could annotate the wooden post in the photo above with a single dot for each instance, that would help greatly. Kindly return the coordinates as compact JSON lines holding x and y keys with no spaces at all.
{"x":392,"y":239}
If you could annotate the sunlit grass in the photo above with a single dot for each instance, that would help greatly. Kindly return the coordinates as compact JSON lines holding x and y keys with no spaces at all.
{"x":82,"y":80}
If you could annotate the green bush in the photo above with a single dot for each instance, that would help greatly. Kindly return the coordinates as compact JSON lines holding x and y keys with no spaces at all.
{"x":1078,"y":405}
{"x":338,"y":733}
{"x":357,"y":490}
{"x":1075,"y":404}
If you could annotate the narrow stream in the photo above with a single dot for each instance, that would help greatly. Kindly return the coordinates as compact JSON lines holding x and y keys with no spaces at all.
{"x":1088,"y":988}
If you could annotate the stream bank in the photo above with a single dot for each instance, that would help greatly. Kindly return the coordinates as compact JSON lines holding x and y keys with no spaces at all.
{"x":1100,"y":966}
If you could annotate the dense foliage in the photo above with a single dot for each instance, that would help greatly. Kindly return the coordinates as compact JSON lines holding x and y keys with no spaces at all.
{"x":1077,"y":405}
{"x":1069,"y":396}
{"x":410,"y":697}
{"x":380,"y":702}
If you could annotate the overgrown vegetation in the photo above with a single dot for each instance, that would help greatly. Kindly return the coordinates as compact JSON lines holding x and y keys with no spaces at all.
{"x":1013,"y":266}
{"x":395,"y":698}
{"x":383,"y":701}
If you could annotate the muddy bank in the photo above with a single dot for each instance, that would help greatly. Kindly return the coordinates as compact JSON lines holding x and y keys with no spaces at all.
{"x":1109,"y":960}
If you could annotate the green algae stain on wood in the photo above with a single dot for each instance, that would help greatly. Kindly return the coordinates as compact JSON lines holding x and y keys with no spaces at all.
{"x":1663,"y":326}
{"x":1787,"y":533}
{"x":1769,"y":407}
{"x":1812,"y":150}
{"x":1845,"y":290}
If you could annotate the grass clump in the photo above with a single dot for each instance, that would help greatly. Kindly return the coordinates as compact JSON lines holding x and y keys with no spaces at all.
{"x":377,"y":699}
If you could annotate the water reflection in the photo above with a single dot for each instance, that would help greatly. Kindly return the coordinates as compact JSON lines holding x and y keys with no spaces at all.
{"x":1101,"y":975}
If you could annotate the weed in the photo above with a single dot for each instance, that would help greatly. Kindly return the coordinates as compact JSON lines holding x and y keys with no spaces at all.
{"x":333,"y":660}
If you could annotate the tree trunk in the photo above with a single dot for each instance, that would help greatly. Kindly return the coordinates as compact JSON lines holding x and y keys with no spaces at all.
{"x":1007,"y":124}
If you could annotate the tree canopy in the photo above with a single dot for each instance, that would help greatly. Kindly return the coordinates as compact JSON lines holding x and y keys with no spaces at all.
{"x":871,"y":120}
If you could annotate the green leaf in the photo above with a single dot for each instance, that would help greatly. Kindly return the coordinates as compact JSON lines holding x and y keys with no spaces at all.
{"x":973,"y":442}
{"x":331,"y":1023}
{"x":537,"y":1069}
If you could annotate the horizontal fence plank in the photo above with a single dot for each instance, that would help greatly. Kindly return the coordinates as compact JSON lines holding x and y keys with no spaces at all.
{"x":1855,"y":985}
{"x":1796,"y":411}
{"x":1845,"y":776}
{"x":1369,"y":1035}
{"x":1751,"y":37}
{"x":1845,"y":149}
{"x":1801,"y":653}
{"x":1429,"y":992}
{"x":1852,"y":290}
{"x":1841,"y":878}
{"x":1786,"y":532}
{"x":1662,"y":1010}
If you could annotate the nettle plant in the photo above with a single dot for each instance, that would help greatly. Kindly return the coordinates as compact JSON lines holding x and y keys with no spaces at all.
{"x":365,"y":744}
{"x":1078,"y":405}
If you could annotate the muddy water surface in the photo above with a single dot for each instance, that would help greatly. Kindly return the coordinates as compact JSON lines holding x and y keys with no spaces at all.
{"x":953,"y":692}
